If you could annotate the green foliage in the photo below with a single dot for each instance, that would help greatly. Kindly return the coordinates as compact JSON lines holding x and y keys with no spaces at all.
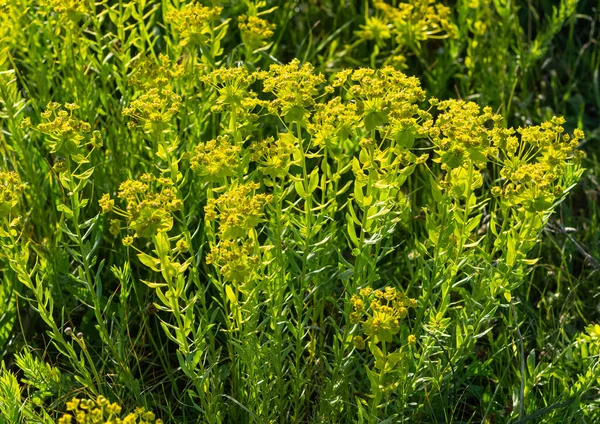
{"x":260,"y":211}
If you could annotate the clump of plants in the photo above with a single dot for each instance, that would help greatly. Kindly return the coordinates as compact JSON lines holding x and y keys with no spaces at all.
{"x":191,"y":227}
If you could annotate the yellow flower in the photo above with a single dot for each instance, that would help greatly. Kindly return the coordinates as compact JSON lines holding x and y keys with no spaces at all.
{"x":216,"y":159}
{"x":149,"y":210}
{"x":193,"y":23}
{"x":153,"y":110}
{"x":106,"y":203}
{"x":255,"y":31}
{"x":102,"y":411}
{"x":375,"y":29}
{"x":236,"y":260}
{"x":295,"y":87}
{"x":65,"y":131}
{"x":386,"y":308}
{"x":73,"y":404}
{"x":10,"y":189}
{"x":237,"y":210}
{"x":182,"y":245}
{"x":274,"y":157}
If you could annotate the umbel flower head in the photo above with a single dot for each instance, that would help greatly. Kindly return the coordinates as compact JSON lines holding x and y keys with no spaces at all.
{"x":462,"y":133}
{"x":65,"y":131}
{"x":235,"y":259}
{"x":388,"y":101}
{"x":149,"y":74}
{"x":216,"y":159}
{"x":10,"y":192}
{"x":333,"y":122}
{"x":274,"y":158}
{"x":255,"y":31}
{"x":380,"y":312}
{"x":74,"y":10}
{"x":102,"y":411}
{"x":295,"y":87}
{"x":194,"y":23}
{"x":10,"y":189}
{"x":413,"y":21}
{"x":153,"y":109}
{"x":237,"y":210}
{"x":150,"y":203}
{"x":233,"y":86}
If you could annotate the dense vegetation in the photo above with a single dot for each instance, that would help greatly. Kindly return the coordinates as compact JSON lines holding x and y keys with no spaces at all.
{"x":299,"y":211}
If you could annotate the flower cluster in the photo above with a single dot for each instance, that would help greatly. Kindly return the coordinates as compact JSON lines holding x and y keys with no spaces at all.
{"x":255,"y":31}
{"x":237,"y":210}
{"x":389,"y":102}
{"x":216,"y":159}
{"x":333,"y":122}
{"x":412,"y":21}
{"x":149,"y":74}
{"x":65,"y":132}
{"x":233,"y":87}
{"x":461,"y":134}
{"x":10,"y":190}
{"x":274,"y":157}
{"x":379,"y":312}
{"x":532,"y":174}
{"x":193,"y":23}
{"x":102,"y":411}
{"x":153,"y":109}
{"x":148,"y":211}
{"x":295,"y":87}
{"x":375,"y":29}
{"x":236,"y":259}
{"x":73,"y":10}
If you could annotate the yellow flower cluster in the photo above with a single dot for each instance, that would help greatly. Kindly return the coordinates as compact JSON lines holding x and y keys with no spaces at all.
{"x":255,"y":31}
{"x":237,"y":210}
{"x":216,"y":159}
{"x":74,"y":10}
{"x":236,"y":259}
{"x":102,"y":411}
{"x":149,"y":74}
{"x":376,"y":29}
{"x":462,"y":133}
{"x":147,"y":211}
{"x":274,"y":157}
{"x":412,"y":20}
{"x":295,"y":87}
{"x":153,"y":109}
{"x":388,"y":101}
{"x":193,"y":23}
{"x":65,"y":131}
{"x":233,"y":87}
{"x":531,"y":175}
{"x":10,"y":189}
{"x":379,"y":312}
{"x":333,"y":122}
{"x":466,"y":139}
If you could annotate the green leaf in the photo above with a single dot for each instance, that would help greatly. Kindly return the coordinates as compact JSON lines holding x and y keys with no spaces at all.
{"x":149,"y":261}
{"x":314,"y":180}
{"x":230,"y":294}
{"x":299,"y":186}
{"x":351,"y":230}
{"x":65,"y":209}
